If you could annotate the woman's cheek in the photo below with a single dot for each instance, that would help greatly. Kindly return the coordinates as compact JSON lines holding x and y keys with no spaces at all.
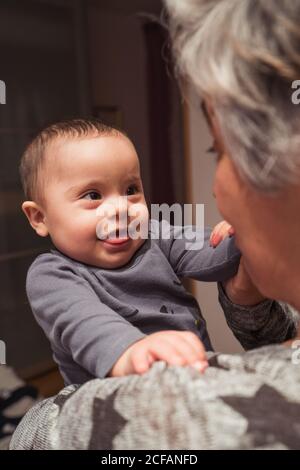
{"x":227,"y":189}
{"x":221,"y":197}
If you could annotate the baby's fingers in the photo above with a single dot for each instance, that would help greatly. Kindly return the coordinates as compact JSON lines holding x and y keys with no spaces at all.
{"x":141,"y":361}
{"x":181,"y":349}
{"x":188,"y":345}
{"x":167,"y":352}
{"x":220,"y":232}
{"x":192,"y":349}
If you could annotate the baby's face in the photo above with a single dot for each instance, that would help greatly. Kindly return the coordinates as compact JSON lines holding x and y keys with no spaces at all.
{"x":84,"y":177}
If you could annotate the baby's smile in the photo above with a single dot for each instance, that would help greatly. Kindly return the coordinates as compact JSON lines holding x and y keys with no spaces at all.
{"x":116,"y":243}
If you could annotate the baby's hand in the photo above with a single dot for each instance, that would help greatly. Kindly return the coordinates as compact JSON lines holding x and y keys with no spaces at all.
{"x":180,"y":348}
{"x":222,"y":230}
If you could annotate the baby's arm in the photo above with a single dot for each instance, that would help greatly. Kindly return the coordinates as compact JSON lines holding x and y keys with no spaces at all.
{"x":206,"y":263}
{"x":96,"y":337}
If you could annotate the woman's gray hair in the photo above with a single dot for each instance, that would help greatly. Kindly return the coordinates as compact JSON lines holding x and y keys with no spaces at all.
{"x":244,"y":55}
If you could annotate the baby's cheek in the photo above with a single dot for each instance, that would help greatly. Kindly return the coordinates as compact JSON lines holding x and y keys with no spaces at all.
{"x":83,"y":228}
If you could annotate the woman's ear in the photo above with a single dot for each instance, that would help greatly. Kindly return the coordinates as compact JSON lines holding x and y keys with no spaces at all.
{"x":36,"y":217}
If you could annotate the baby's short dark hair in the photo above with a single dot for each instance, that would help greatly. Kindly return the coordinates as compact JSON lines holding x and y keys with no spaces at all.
{"x":33,"y":158}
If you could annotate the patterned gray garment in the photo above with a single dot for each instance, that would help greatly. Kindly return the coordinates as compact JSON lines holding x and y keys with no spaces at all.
{"x":249,"y":400}
{"x":244,"y":401}
{"x":268,"y":322}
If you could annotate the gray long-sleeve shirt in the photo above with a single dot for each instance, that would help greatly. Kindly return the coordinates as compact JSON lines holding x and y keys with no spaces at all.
{"x":92,"y":315}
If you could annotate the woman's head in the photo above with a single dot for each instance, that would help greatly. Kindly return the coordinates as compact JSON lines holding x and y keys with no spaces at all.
{"x":242,"y":57}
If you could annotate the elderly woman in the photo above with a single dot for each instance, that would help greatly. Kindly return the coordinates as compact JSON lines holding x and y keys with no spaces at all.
{"x":242,"y":57}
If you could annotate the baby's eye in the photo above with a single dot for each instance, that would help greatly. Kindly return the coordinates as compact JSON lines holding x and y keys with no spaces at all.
{"x":132,"y":189}
{"x":92,"y":196}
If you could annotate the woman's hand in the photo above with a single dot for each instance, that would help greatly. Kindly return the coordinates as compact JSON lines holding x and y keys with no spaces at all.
{"x":239,"y":289}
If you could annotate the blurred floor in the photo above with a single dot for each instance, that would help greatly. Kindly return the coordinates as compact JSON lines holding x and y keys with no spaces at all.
{"x":48,"y":384}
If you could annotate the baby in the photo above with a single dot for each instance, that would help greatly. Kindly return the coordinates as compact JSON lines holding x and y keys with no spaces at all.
{"x":109,"y":306}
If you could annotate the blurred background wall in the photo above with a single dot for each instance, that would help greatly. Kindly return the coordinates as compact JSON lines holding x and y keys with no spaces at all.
{"x":105,"y":58}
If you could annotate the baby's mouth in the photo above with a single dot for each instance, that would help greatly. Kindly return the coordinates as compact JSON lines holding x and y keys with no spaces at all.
{"x":116,"y":241}
{"x":117,"y":238}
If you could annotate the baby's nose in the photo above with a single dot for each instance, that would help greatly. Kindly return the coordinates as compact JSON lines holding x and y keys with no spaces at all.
{"x":120,"y":204}
{"x":114,"y":208}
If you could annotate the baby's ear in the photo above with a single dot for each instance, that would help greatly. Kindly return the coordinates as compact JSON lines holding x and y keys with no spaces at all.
{"x":36,"y":217}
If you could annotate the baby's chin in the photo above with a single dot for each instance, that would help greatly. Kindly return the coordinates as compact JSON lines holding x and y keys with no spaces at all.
{"x":104,"y":257}
{"x":118,"y":259}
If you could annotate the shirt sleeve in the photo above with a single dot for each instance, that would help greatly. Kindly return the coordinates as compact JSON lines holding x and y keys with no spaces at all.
{"x":195,"y":258}
{"x":268,"y":322}
{"x":73,"y":317}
